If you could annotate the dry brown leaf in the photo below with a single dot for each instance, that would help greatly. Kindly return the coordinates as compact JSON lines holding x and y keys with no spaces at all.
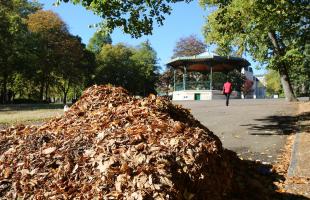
{"x":49,"y":150}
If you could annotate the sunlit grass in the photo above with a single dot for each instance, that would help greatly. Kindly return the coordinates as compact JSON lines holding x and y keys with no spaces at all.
{"x":32,"y":113}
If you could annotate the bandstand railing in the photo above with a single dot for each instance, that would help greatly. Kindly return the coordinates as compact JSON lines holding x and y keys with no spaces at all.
{"x":193,"y":85}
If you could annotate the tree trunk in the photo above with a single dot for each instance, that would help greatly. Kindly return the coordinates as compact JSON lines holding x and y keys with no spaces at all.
{"x":287,"y":87}
{"x":65,"y":90}
{"x":42,"y":89}
{"x":284,"y":75}
{"x":4,"y":89}
{"x":65,"y":98}
{"x":46,"y":91}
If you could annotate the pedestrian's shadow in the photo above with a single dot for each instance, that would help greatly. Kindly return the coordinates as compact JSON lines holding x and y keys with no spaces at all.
{"x":279,"y":124}
{"x":256,"y":181}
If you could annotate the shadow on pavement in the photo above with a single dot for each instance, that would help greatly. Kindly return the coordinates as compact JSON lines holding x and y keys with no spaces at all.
{"x":279,"y":125}
{"x":256,"y":181}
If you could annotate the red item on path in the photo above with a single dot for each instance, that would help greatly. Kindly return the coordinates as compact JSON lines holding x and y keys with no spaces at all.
{"x":227,"y":87}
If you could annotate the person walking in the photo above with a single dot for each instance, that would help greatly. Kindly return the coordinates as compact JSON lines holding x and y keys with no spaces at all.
{"x":227,"y":89}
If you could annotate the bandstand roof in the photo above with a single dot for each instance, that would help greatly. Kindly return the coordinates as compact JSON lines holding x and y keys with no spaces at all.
{"x":204,"y":62}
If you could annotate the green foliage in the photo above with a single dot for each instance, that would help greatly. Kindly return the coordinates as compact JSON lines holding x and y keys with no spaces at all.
{"x":134,"y":17}
{"x":98,"y":40}
{"x":89,"y":66}
{"x":273,"y":83}
{"x":12,"y":34}
{"x":50,"y":33}
{"x":114,"y":66}
{"x":273,"y":32}
{"x":69,"y":68}
{"x":235,"y":77}
{"x":145,"y":59}
{"x":300,"y":73}
{"x":39,"y":57}
{"x":62,"y":63}
{"x":132,"y":68}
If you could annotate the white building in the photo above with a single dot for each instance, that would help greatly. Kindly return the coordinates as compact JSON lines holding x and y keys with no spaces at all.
{"x":259,"y":83}
{"x":260,"y":86}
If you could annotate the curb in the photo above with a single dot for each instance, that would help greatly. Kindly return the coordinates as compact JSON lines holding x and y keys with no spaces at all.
{"x":293,"y":162}
{"x":295,"y":149}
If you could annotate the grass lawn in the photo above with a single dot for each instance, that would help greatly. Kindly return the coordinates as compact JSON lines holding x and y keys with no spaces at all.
{"x":28,"y":113}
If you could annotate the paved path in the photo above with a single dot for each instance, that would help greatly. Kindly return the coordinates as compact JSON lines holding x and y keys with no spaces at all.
{"x":255,"y":129}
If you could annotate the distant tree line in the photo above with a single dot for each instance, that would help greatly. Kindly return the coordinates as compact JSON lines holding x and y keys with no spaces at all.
{"x":41,"y":61}
{"x":273,"y":33}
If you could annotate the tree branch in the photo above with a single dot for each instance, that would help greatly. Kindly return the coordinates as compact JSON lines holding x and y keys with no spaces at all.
{"x":272,"y":36}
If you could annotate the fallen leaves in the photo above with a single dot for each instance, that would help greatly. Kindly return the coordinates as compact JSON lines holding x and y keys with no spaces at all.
{"x":49,"y":150}
{"x":110,"y":145}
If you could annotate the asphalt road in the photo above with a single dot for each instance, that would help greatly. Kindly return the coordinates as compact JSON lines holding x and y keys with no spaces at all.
{"x":254,"y":128}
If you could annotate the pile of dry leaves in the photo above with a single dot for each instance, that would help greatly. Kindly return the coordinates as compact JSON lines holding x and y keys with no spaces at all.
{"x":110,"y":145}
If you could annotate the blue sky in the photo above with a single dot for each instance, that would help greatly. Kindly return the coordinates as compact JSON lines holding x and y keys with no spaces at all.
{"x":185,"y":20}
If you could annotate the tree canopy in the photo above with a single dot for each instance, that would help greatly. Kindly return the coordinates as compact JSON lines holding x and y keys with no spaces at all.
{"x":39,"y":57}
{"x":135,"y":17}
{"x":189,"y":46}
{"x":50,"y":32}
{"x":41,"y":60}
{"x":13,"y":32}
{"x":273,"y":32}
{"x":132,"y":68}
{"x":45,"y":22}
{"x":145,"y":58}
{"x":97,"y":41}
{"x":63,"y":64}
{"x":273,"y":85}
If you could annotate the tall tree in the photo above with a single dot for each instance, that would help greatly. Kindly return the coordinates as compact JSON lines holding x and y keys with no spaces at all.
{"x":89,"y":66}
{"x":49,"y":29}
{"x":64,"y":63}
{"x":97,"y":41}
{"x":12,"y":34}
{"x":69,"y":71}
{"x":145,"y":59}
{"x":189,"y":46}
{"x":273,"y":32}
{"x":115,"y":67}
{"x":132,"y":68}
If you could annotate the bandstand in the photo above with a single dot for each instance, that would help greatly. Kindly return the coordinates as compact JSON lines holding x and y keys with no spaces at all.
{"x":203,"y":63}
